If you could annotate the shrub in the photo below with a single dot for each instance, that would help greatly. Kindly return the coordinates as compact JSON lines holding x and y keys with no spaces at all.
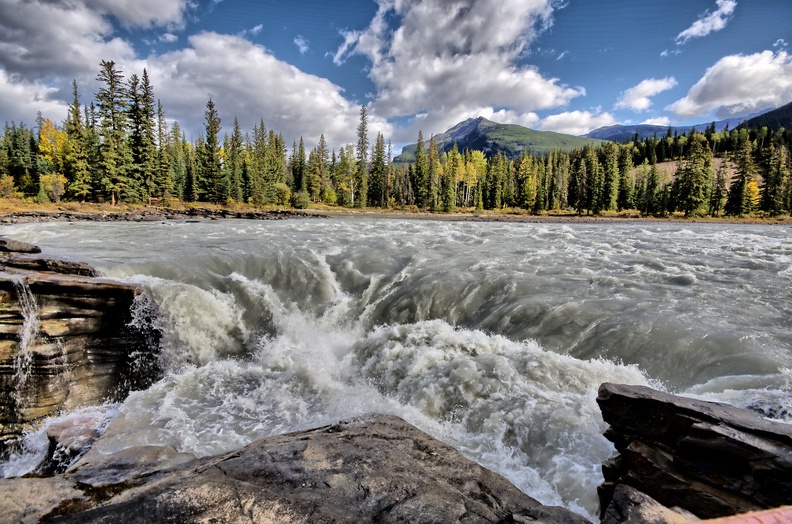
{"x":282,"y":194}
{"x":300,"y":200}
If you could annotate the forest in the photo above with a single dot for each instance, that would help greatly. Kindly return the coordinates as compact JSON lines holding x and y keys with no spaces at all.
{"x":119,"y":147}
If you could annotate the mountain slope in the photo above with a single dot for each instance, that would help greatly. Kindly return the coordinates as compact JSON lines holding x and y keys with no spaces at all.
{"x":775,"y":119}
{"x":480,"y":134}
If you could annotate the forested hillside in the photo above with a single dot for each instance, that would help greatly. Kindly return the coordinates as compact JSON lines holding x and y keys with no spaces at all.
{"x":119,"y":147}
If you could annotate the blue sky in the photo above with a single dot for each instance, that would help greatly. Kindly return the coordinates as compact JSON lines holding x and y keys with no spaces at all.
{"x":306,"y":67}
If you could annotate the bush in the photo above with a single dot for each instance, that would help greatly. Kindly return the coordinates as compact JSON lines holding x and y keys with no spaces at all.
{"x":6,"y":186}
{"x":282,"y":194}
{"x":300,"y":200}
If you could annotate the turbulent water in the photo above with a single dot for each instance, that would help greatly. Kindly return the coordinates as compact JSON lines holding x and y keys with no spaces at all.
{"x":493,"y":337}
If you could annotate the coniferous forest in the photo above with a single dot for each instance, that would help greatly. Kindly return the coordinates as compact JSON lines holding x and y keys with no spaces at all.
{"x":119,"y":148}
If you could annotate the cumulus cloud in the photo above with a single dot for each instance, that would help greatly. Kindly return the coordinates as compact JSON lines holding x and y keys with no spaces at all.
{"x":21,"y":100}
{"x":453,"y":58}
{"x":657,"y":121}
{"x":302,"y":44}
{"x":290,"y":101}
{"x":139,"y":13}
{"x":740,"y":84}
{"x":637,"y":98}
{"x":576,"y":122}
{"x":168,"y":38}
{"x":709,"y":22}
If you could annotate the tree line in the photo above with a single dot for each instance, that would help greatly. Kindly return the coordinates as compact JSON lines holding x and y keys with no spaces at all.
{"x":120,"y":148}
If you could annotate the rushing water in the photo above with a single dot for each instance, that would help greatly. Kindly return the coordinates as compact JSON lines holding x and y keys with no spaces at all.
{"x":493,"y":337}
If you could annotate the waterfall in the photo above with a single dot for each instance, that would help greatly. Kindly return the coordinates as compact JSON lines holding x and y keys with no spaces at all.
{"x":30,"y":328}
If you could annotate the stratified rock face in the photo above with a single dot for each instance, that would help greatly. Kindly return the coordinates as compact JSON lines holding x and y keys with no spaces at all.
{"x":375,"y":469}
{"x":710,"y":459}
{"x":65,"y":341}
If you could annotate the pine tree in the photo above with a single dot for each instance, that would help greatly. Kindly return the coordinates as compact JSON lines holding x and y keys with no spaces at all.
{"x":212,"y":177}
{"x":693,"y":176}
{"x":420,"y":179}
{"x":776,"y":180}
{"x":449,"y":185}
{"x":234,"y":163}
{"x":111,"y":108}
{"x":611,"y":176}
{"x":741,"y":198}
{"x":141,"y":115}
{"x":377,"y":182}
{"x":163,"y":183}
{"x":626,"y":183}
{"x":718,"y":192}
{"x":77,"y":157}
{"x":434,"y":173}
{"x":362,"y":159}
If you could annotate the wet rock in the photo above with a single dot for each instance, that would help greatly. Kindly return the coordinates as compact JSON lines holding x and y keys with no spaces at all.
{"x":373,"y":469}
{"x":66,"y":341}
{"x":708,"y":458}
{"x":630,"y":505}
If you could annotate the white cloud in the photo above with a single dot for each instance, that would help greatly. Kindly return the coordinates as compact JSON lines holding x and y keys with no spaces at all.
{"x":637,"y":97}
{"x":740,"y":84}
{"x":709,"y":22}
{"x":168,"y":38}
{"x":254,"y":31}
{"x":139,"y":13}
{"x":22,"y":100}
{"x":576,"y":122}
{"x":780,"y":43}
{"x":450,"y":59}
{"x":290,"y":101}
{"x":657,"y":121}
{"x":302,"y":44}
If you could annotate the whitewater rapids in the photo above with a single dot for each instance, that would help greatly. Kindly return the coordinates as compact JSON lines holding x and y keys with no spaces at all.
{"x":493,"y":337}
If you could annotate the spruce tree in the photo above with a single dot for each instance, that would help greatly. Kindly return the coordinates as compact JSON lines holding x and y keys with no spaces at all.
{"x":693,"y":176}
{"x":78,"y":172}
{"x":212,"y":177}
{"x":111,"y":109}
{"x":362,"y":159}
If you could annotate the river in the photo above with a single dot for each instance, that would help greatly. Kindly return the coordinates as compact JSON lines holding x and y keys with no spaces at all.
{"x":493,"y":337}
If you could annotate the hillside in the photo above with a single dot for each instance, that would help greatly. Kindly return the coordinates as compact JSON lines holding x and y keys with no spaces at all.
{"x":775,"y":119}
{"x":480,"y":134}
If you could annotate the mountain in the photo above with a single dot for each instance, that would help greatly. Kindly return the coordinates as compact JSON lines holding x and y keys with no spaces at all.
{"x":775,"y":119}
{"x":620,"y":133}
{"x":480,"y":134}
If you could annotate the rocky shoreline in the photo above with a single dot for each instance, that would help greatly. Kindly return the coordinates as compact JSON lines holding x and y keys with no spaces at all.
{"x":150,"y":215}
{"x":679,"y":459}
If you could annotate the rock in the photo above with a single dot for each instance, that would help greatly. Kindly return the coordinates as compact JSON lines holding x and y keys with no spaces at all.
{"x":373,"y":469}
{"x":15,"y":246}
{"x":29,"y":500}
{"x":39,"y":264}
{"x":81,"y":348}
{"x":708,"y":458}
{"x":631,"y":506}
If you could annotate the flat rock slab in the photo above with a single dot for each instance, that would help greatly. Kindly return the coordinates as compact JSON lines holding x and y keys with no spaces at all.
{"x":372,"y":469}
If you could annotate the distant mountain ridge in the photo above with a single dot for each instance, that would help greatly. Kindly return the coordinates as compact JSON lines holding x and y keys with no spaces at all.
{"x":480,"y":134}
{"x":622,"y":133}
{"x":775,"y":119}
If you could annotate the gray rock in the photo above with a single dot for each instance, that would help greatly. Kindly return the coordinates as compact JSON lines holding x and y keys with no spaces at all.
{"x":710,"y":459}
{"x":15,"y":246}
{"x":373,"y":469}
{"x":630,"y":506}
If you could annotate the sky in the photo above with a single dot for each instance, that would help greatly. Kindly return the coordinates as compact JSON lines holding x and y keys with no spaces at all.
{"x":306,"y":68}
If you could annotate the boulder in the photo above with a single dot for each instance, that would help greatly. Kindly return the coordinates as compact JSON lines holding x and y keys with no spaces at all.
{"x":710,"y":459}
{"x":371,"y":469}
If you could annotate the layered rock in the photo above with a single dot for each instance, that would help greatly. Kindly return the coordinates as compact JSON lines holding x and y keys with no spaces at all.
{"x":66,"y":340}
{"x":374,"y":469}
{"x":707,"y":458}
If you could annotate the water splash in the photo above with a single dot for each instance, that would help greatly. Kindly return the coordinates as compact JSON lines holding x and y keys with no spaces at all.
{"x":31,"y":324}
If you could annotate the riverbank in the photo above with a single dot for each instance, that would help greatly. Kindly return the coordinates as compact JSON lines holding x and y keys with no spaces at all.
{"x":14,"y":211}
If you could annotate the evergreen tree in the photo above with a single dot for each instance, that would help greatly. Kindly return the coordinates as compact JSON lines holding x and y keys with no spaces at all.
{"x":693,"y":176}
{"x":626,"y":182}
{"x":111,"y":109}
{"x":163,"y":183}
{"x":741,"y":197}
{"x":77,"y":157}
{"x":234,"y":163}
{"x":611,"y":176}
{"x":776,"y":180}
{"x":718,"y":192}
{"x":362,"y":159}
{"x":420,"y":179}
{"x":212,"y":178}
{"x":453,"y":166}
{"x":141,"y":115}
{"x":377,"y":176}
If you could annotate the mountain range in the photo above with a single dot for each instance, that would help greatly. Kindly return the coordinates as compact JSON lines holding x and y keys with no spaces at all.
{"x":480,"y":134}
{"x":775,"y":119}
{"x":625,"y":133}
